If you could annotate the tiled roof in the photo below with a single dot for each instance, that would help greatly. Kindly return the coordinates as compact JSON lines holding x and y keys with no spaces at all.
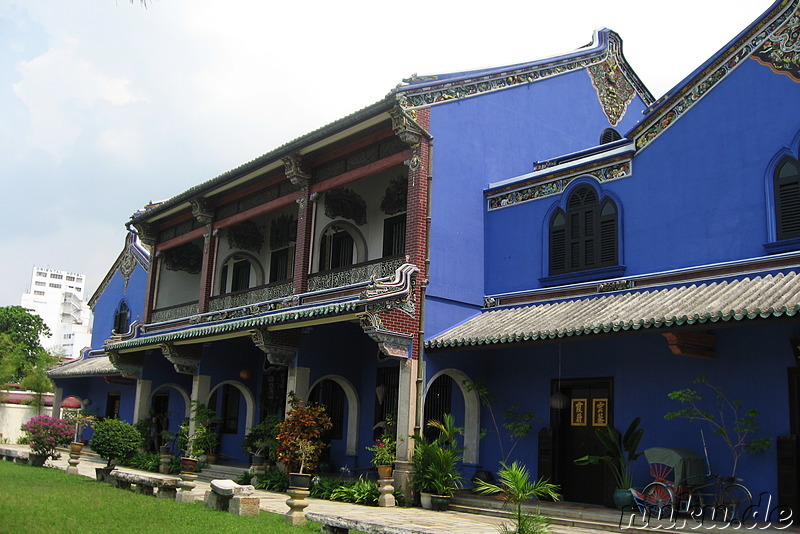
{"x":99,"y":366}
{"x":745,"y":298}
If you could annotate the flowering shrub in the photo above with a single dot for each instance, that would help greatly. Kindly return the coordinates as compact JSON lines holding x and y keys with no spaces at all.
{"x":45,"y":433}
{"x":384,"y":450}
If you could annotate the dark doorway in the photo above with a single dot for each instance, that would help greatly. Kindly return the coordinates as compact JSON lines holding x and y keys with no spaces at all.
{"x":590,"y":406}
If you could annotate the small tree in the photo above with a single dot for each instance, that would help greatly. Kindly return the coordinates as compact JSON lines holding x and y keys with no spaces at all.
{"x":300,"y":442}
{"x":518,"y":424}
{"x":736,"y":426}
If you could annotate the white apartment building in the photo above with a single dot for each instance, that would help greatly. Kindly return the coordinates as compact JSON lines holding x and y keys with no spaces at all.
{"x":57,"y":297}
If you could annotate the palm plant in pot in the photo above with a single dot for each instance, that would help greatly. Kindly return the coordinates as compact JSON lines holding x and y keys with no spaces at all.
{"x":435,"y":463}
{"x":621,"y":453}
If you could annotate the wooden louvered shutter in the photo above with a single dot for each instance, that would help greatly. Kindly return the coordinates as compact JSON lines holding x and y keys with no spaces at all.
{"x":787,"y":199}
{"x":608,"y":234}
{"x":558,"y":244}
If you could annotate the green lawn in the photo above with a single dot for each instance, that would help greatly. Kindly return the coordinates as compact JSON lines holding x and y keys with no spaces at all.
{"x":48,"y":501}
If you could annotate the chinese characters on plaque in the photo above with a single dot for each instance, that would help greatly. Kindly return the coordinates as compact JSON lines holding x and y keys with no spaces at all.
{"x":580,"y":415}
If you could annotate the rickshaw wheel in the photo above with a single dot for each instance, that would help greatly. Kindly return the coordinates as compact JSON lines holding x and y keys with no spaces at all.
{"x":659,"y":498}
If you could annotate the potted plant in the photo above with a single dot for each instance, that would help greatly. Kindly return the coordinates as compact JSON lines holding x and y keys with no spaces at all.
{"x":302,"y":480}
{"x":167,"y":438}
{"x":434,"y":463}
{"x":81,"y":420}
{"x":114,"y":441}
{"x":44,"y":434}
{"x":261,"y":440}
{"x":300,"y":436}
{"x":444,"y":476}
{"x":383,"y":455}
{"x":621,"y":454}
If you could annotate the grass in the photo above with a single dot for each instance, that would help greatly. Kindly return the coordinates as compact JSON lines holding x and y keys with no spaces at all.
{"x":49,"y":501}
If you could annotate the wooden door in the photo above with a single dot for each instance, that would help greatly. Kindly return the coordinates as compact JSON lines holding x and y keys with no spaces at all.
{"x":590,"y":406}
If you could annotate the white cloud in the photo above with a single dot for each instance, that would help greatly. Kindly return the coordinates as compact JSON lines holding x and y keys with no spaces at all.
{"x":59,"y":88}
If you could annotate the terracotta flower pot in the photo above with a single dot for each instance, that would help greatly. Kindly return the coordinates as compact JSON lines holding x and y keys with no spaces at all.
{"x":188,"y":465}
{"x":384,"y":471}
{"x":76,"y":447}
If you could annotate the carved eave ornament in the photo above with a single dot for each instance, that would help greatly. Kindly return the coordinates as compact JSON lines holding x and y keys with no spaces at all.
{"x":392,"y":344}
{"x":130,"y":365}
{"x":147,"y":233}
{"x":276,"y":354}
{"x":185,"y":359}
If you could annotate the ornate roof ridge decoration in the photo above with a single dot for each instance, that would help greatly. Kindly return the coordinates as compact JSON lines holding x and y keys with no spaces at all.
{"x":614,"y":89}
{"x":762,"y":296}
{"x":132,"y":255}
{"x":555,"y":184}
{"x":606,"y":45}
{"x":669,"y":109}
{"x":386,"y":293}
{"x":781,"y":51}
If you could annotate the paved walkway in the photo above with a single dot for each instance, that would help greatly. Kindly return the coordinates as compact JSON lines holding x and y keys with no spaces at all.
{"x":566,"y":517}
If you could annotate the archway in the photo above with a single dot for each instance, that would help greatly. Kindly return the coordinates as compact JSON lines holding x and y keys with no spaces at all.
{"x":351,"y":420}
{"x":472,"y":412}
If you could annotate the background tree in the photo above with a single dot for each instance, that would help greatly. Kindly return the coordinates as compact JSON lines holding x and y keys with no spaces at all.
{"x":22,"y":357}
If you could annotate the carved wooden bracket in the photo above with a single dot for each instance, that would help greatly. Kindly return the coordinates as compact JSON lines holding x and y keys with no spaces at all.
{"x":392,"y":344}
{"x":129,"y":364}
{"x":293,"y":167}
{"x":185,"y":359}
{"x":282,"y":355}
{"x":694,"y":344}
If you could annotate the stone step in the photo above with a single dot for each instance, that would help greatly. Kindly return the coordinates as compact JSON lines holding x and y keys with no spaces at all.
{"x":216,"y":472}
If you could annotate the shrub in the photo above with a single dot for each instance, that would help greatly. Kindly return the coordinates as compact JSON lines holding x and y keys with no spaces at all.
{"x":146,"y":461}
{"x":115,"y":440}
{"x":273,"y":480}
{"x":300,"y":442}
{"x":45,"y":433}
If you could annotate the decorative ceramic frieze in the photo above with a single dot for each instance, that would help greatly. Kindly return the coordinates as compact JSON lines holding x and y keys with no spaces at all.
{"x":556,"y":186}
{"x":618,"y":285}
{"x":455,"y":91}
{"x":781,"y":51}
{"x":715,"y":73}
{"x":614,"y":90}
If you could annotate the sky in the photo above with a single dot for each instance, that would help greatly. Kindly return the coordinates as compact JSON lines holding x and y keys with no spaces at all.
{"x":106,"y":105}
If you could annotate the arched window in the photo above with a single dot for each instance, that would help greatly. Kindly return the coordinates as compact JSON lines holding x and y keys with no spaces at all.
{"x":585,"y":235}
{"x":609,"y":135}
{"x":337,"y":248}
{"x":438,"y":401}
{"x":238,"y":273}
{"x":330,"y":394}
{"x":787,"y":198}
{"x":122,"y":318}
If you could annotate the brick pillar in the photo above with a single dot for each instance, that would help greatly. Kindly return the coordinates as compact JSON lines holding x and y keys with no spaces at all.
{"x":302,"y":252}
{"x":207,"y":270}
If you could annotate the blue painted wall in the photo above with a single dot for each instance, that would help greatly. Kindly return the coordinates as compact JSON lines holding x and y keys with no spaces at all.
{"x":492,"y":137}
{"x":644,"y":372}
{"x":699,"y":194}
{"x":108,"y":302}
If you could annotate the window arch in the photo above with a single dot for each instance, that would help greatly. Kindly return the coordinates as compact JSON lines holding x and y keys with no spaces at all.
{"x":584,"y":236}
{"x":239,"y":272}
{"x":341,"y":245}
{"x":787,"y":198}
{"x":122,"y":318}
